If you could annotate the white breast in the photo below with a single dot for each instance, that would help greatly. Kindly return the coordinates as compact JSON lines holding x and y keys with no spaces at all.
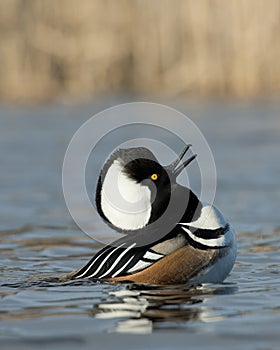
{"x":124,"y":202}
{"x":218,"y":271}
{"x":210,"y":218}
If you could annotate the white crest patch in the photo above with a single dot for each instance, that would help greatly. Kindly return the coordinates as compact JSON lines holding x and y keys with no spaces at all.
{"x":125,"y":203}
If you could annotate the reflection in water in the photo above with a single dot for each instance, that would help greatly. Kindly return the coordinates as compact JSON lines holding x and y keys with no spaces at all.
{"x":141,"y":308}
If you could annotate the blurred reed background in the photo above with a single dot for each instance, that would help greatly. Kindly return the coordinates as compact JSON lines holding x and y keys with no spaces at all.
{"x":68,"y":49}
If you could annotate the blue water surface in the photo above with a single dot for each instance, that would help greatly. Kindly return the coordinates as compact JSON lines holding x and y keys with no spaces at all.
{"x":39,"y":239}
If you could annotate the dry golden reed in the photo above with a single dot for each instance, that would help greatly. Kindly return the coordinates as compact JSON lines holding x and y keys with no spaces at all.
{"x":74,"y":49}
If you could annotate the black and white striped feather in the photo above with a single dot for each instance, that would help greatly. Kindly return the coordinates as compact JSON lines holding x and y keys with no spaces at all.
{"x":126,"y":256}
{"x":113,"y":261}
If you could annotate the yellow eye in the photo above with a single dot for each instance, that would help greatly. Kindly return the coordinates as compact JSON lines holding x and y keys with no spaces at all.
{"x":154,"y":177}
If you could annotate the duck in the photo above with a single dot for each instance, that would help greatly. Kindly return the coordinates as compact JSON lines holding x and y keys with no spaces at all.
{"x":168,"y":236}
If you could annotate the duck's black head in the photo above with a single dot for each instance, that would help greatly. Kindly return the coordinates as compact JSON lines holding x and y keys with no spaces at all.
{"x":135,"y":190}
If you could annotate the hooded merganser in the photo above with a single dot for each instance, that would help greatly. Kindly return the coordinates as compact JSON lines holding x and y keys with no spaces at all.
{"x":169,"y":235}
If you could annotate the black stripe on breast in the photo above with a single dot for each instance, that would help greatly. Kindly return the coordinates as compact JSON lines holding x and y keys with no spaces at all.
{"x":207,"y":233}
{"x":199,"y":245}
